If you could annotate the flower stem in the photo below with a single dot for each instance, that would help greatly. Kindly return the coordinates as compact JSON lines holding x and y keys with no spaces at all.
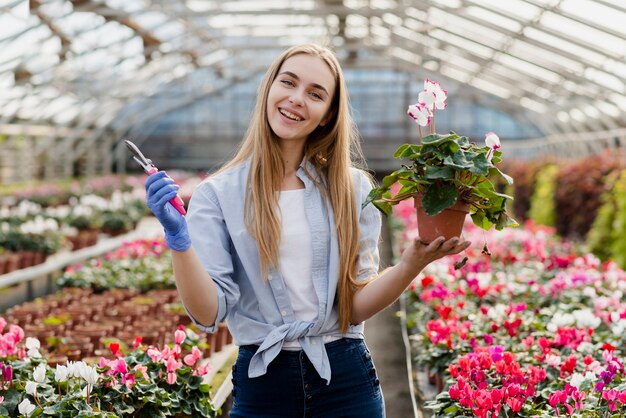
{"x":433,"y":122}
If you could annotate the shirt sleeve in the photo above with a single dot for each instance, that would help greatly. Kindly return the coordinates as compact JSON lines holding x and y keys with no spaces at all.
{"x":211,"y":241}
{"x":370,"y":223}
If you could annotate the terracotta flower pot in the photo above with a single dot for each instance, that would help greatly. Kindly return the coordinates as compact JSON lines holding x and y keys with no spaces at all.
{"x":448,"y":223}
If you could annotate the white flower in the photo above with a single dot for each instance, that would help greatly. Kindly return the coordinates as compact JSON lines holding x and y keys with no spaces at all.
{"x":40,"y":373}
{"x":433,"y":96}
{"x":560,"y":320}
{"x":90,"y":374}
{"x":31,"y":388}
{"x":553,"y":360}
{"x":586,"y":319}
{"x":61,"y":373}
{"x":420,"y":113}
{"x":32,"y":345}
{"x":492,"y":140}
{"x":26,"y":408}
{"x":577,"y":380}
{"x":590,"y":292}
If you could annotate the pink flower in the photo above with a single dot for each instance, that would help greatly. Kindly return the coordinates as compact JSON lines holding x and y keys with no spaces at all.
{"x":173,"y":365}
{"x":120,"y":366}
{"x":171,"y":378}
{"x":202,"y":370}
{"x":179,"y":336}
{"x":143,"y":370}
{"x":191,"y":359}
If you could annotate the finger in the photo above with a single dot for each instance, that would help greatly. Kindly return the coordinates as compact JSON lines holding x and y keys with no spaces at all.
{"x":435,"y":244}
{"x":461,"y":246}
{"x":158,"y":185}
{"x":154,"y":177}
{"x":166,"y":198}
{"x":164,"y":192}
{"x":450,"y":244}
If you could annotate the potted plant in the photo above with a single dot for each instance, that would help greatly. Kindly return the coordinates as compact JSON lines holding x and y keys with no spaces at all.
{"x":445,"y":173}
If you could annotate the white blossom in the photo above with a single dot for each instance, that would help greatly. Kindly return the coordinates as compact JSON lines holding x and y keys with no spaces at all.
{"x":576,"y":380}
{"x":61,"y":373}
{"x":31,"y":388}
{"x":90,"y":374}
{"x":40,"y":373}
{"x":26,"y":408}
{"x":586,"y":319}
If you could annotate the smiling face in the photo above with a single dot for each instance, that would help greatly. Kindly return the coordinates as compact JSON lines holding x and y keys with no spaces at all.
{"x":300,"y":97}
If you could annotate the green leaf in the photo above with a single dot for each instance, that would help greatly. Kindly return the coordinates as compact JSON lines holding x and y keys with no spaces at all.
{"x":480,"y":164}
{"x":437,"y":198}
{"x":384,"y":207}
{"x":434,"y":139}
{"x":407,"y":151}
{"x":481,"y":221}
{"x":433,"y":173}
{"x":508,"y":178}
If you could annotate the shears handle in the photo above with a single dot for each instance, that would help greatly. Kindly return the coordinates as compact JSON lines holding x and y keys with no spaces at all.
{"x":177,"y":202}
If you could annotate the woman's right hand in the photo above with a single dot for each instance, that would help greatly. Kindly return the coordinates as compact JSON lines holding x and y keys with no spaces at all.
{"x":160,"y":189}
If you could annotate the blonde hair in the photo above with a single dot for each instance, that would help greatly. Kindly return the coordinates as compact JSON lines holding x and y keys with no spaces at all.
{"x":329,"y":148}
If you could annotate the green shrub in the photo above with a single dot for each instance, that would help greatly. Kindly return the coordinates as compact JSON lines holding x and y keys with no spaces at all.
{"x":542,"y":208}
{"x":618,"y":244}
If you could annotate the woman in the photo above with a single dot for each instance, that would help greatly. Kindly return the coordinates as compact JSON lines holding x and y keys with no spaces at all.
{"x":284,"y":252}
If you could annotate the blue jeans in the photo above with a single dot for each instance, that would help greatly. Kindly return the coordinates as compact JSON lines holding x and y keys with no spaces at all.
{"x":292,"y":387}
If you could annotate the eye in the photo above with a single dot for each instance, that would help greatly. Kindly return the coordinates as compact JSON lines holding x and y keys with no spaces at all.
{"x":316,"y":96}
{"x":287,"y":83}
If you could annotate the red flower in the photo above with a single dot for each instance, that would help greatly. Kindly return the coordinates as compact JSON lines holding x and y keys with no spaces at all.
{"x":115,"y":349}
{"x":454,"y":392}
{"x":607,"y":346}
{"x":515,"y":404}
{"x":427,"y":280}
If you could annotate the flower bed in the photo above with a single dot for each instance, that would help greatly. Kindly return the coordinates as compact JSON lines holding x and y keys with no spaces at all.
{"x":150,"y":381}
{"x":113,"y":344}
{"x":125,"y":294}
{"x":534,"y":330}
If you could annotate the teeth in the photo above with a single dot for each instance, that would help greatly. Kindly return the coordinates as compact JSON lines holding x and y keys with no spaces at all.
{"x":290,"y":115}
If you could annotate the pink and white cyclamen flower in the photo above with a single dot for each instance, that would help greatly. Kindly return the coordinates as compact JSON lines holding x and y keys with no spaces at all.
{"x":420,"y":113}
{"x":492,"y":141}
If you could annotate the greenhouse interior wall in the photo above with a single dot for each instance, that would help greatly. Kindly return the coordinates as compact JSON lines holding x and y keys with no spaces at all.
{"x":523,"y":117}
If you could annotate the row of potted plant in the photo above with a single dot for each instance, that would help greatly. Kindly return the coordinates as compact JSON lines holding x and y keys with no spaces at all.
{"x":59,"y":192}
{"x":148,"y":381}
{"x":536,"y":329}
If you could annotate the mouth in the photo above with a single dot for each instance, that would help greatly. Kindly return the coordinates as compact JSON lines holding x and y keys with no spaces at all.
{"x":290,"y":115}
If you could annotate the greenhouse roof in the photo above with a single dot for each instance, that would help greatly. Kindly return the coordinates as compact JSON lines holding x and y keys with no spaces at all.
{"x":73,"y":65}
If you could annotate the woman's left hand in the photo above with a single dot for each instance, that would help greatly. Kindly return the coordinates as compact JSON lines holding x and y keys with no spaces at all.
{"x":418,"y":254}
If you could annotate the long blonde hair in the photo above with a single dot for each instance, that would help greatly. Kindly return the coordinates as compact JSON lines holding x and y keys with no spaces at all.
{"x":329,"y":148}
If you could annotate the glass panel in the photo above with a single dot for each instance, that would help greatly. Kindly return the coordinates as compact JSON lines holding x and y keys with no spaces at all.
{"x":528,"y":68}
{"x":601,"y":41}
{"x":560,"y":43}
{"x":494,"y":19}
{"x":545,"y":57}
{"x":592,"y":11}
{"x":519,"y":8}
{"x":476,"y":49}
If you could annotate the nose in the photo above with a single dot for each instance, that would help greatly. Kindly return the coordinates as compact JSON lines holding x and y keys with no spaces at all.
{"x":296,"y":97}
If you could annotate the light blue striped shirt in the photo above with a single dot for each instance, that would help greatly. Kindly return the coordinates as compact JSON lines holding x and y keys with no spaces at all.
{"x":259,"y":311}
